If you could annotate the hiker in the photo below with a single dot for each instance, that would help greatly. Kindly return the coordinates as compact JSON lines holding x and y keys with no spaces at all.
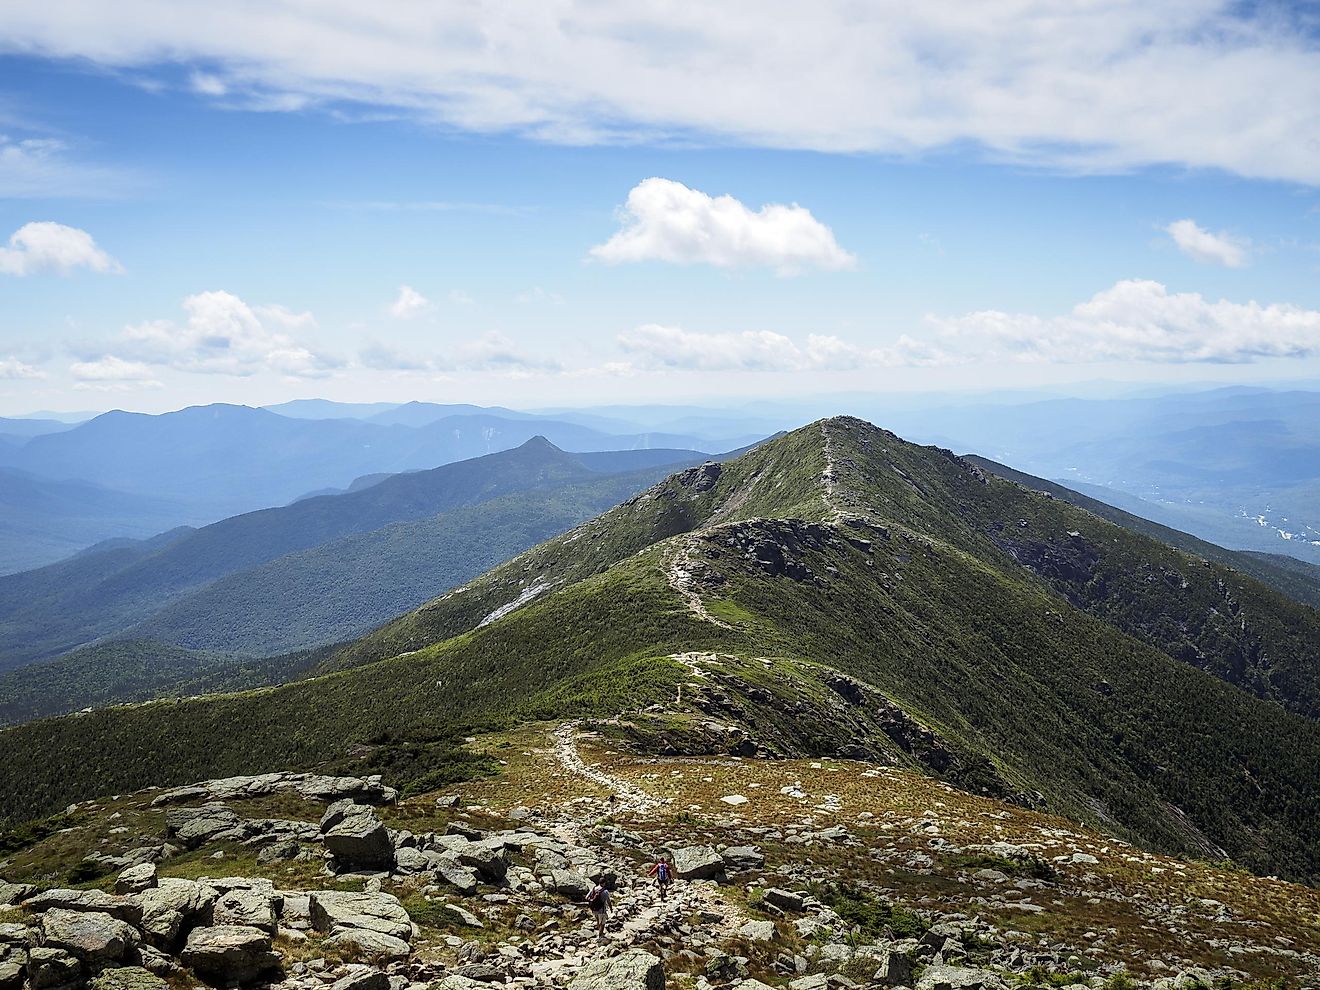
{"x":663,"y":873}
{"x":599,"y":902}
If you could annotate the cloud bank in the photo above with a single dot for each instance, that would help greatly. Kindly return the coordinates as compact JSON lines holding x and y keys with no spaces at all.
{"x":1107,"y":84}
{"x":664,"y":220}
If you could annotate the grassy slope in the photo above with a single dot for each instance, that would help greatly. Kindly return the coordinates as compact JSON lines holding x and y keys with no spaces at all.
{"x":1104,"y":726}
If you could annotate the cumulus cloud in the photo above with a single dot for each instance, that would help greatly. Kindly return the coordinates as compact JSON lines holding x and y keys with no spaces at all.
{"x":1106,"y":84}
{"x":222,"y":334}
{"x":1201,"y":245}
{"x":1134,"y":320}
{"x":656,"y":346}
{"x":664,"y":220}
{"x":12,"y":369}
{"x":44,"y":246}
{"x":110,"y":368}
{"x":410,"y":303}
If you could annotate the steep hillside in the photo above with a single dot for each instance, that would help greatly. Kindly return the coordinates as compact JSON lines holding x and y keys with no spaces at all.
{"x":997,"y":637}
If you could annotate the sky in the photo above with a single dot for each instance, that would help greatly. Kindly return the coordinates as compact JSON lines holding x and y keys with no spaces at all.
{"x":576,"y":203}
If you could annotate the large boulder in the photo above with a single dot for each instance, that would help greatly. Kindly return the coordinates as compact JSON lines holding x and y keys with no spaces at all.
{"x":91,"y":936}
{"x":364,"y":942}
{"x":738,"y":859}
{"x":959,"y":978}
{"x":362,"y":978}
{"x":488,"y":857}
{"x":192,"y":827}
{"x":12,"y":893}
{"x":337,"y":911}
{"x":52,"y":967}
{"x":633,"y":970}
{"x":11,"y":975}
{"x":449,"y":870}
{"x":89,"y":901}
{"x":256,"y":907}
{"x":568,"y":883}
{"x":128,"y":978}
{"x":135,"y":879}
{"x":696,"y":862}
{"x":171,"y":904}
{"x":229,"y":954}
{"x":356,"y":837}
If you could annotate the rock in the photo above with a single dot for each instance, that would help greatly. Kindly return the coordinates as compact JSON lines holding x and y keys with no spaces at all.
{"x":734,"y":800}
{"x":362,"y":978}
{"x":51,"y":967}
{"x":758,"y":931}
{"x":486,"y":857}
{"x":91,"y":901}
{"x":171,"y":903}
{"x":786,"y":899}
{"x":91,"y":936}
{"x":480,"y":972}
{"x":959,"y":978}
{"x":355,"y":836}
{"x":570,"y":884}
{"x":229,"y":953}
{"x":1084,"y":858}
{"x":449,"y":870}
{"x":751,"y":985}
{"x":371,"y":944}
{"x":280,"y":852}
{"x":464,"y":916}
{"x":816,"y":981}
{"x":193,"y":827}
{"x":128,"y":978}
{"x":408,"y":860}
{"x":313,"y":787}
{"x":454,"y":982}
{"x":255,"y":907}
{"x":136,"y":879}
{"x":895,"y":970}
{"x":740,"y":858}
{"x":12,"y":893}
{"x":632,"y":970}
{"x":696,"y":862}
{"x":336,"y":911}
{"x":11,"y":975}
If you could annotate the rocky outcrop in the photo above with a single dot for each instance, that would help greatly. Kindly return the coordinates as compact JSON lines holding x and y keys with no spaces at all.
{"x":696,"y":862}
{"x":633,"y":970}
{"x":372,"y":924}
{"x":313,"y":787}
{"x":355,"y":837}
{"x":229,"y":954}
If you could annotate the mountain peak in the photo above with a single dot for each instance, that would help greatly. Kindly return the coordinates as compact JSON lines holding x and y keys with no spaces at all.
{"x":539,"y":443}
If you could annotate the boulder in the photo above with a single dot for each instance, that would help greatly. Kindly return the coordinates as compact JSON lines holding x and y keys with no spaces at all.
{"x":632,"y":970}
{"x":362,"y":978}
{"x":787,"y":900}
{"x":12,"y":893}
{"x":482,"y":972}
{"x":51,"y":967}
{"x":449,"y":870}
{"x":464,"y":917}
{"x":193,"y":827}
{"x":696,"y":862}
{"x":11,"y":975}
{"x":255,"y":907}
{"x":568,"y":883}
{"x":136,"y":879}
{"x":280,"y":852}
{"x":90,"y":901}
{"x":128,"y":978}
{"x":91,"y":936}
{"x":370,"y":944}
{"x":758,"y":931}
{"x":895,"y":970}
{"x":408,"y":860}
{"x":456,"y":982}
{"x":336,"y":911}
{"x":229,"y":953}
{"x":738,"y":859}
{"x":959,"y":978}
{"x":172,"y":903}
{"x":488,"y":857}
{"x":356,"y":837}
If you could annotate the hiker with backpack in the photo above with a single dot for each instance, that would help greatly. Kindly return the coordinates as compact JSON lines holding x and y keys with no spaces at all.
{"x":663,"y":873}
{"x":599,"y":902}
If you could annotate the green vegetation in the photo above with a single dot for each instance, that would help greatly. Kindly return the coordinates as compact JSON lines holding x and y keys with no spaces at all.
{"x":1008,"y":641}
{"x":874,"y":917}
{"x":1030,"y":866}
{"x":30,"y":833}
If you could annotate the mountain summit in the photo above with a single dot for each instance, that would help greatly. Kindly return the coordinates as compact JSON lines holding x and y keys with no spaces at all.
{"x":836,"y":590}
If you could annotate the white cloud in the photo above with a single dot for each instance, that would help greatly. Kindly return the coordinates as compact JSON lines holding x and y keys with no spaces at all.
{"x":12,"y":369}
{"x":409,"y":304}
{"x":44,"y":246}
{"x":110,"y":368}
{"x":33,"y":168}
{"x":1134,"y":320}
{"x":1105,"y":84}
{"x":207,"y":84}
{"x":491,"y":352}
{"x":656,"y":346}
{"x":664,"y":220}
{"x":224,"y":335}
{"x":1201,"y":245}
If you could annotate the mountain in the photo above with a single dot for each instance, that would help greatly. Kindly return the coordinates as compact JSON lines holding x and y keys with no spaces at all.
{"x":52,"y":610}
{"x":22,"y":429}
{"x":864,"y":597}
{"x":43,"y":520}
{"x":327,"y":409}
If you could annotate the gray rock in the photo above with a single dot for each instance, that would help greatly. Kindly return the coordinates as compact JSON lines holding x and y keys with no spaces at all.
{"x":455,"y":982}
{"x":738,"y":859}
{"x":280,"y":852}
{"x":136,"y":879}
{"x":12,"y":893}
{"x":362,"y":978}
{"x":192,"y":827}
{"x":449,"y":870}
{"x":895,"y":970}
{"x":959,"y":978}
{"x":488,"y":857}
{"x":229,"y":953}
{"x":92,"y":901}
{"x":788,"y":900}
{"x":568,"y":883}
{"x":370,"y":944}
{"x":355,"y":836}
{"x":408,"y":860}
{"x":91,"y":936}
{"x":696,"y":862}
{"x":481,"y":972}
{"x":11,"y":975}
{"x":128,"y":978}
{"x":255,"y":907}
{"x":632,"y":970}
{"x":758,"y":931}
{"x":336,"y":911}
{"x":313,"y":787}
{"x":464,"y":916}
{"x":52,"y":967}
{"x":171,"y":903}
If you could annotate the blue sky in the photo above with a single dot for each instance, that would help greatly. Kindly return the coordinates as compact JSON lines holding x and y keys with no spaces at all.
{"x":241,"y":202}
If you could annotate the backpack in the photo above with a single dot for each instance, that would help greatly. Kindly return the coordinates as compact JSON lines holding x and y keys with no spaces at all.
{"x":596,"y":897}
{"x":662,"y":873}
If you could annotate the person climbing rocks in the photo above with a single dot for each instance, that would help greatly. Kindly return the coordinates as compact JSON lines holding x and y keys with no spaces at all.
{"x":599,"y":902}
{"x":663,"y":873}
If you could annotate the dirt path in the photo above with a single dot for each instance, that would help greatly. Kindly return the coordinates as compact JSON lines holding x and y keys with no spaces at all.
{"x":639,"y":915}
{"x":678,"y":570}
